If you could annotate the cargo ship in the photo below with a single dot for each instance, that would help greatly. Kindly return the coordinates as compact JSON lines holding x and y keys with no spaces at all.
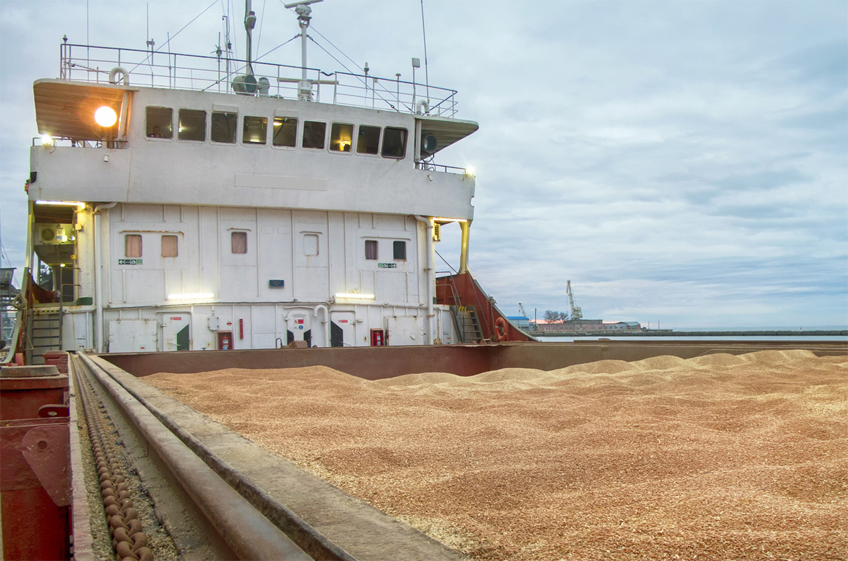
{"x":180,"y":203}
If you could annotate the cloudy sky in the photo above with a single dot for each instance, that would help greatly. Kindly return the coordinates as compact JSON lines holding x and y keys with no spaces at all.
{"x":682,"y":162}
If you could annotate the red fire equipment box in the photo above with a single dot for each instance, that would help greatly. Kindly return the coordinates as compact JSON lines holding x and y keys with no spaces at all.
{"x":378,"y":338}
{"x":225,"y":340}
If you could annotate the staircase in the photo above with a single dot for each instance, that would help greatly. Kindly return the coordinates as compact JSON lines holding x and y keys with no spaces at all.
{"x":43,"y":336}
{"x":467,"y":324}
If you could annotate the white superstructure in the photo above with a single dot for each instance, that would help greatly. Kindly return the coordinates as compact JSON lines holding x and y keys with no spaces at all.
{"x":207,"y":219}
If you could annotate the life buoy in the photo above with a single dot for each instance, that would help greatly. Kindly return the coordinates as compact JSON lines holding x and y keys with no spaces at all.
{"x":124,"y":74}
{"x":500,"y":329}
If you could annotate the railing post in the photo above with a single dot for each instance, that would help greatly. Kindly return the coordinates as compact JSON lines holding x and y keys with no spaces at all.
{"x":62,"y":62}
{"x":335,"y":87}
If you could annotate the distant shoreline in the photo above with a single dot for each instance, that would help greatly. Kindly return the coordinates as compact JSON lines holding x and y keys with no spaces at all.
{"x":672,"y":333}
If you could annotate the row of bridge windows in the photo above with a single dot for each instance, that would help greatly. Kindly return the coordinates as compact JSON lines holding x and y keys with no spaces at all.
{"x":389,"y":142}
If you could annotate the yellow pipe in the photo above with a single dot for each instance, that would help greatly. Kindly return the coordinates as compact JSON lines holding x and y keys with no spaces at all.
{"x":463,"y":258}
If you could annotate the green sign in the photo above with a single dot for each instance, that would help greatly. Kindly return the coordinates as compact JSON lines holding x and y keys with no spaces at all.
{"x":129,"y":261}
{"x":387,"y":265}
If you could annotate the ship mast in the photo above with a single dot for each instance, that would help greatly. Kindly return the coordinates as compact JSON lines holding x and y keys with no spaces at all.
{"x":303,"y":12}
{"x":249,"y":23}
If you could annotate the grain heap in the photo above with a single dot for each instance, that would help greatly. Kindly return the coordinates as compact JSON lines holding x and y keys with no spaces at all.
{"x":718,"y":457}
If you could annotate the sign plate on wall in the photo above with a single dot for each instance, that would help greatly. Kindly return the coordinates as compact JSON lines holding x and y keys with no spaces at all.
{"x":387,"y":265}
{"x":129,"y":261}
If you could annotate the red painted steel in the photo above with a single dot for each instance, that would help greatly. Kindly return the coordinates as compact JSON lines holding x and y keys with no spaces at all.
{"x":58,"y":359}
{"x":34,"y":467}
{"x":23,"y":397}
{"x":464,"y":290}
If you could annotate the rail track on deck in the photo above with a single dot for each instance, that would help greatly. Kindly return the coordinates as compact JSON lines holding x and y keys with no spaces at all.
{"x":216,"y":495}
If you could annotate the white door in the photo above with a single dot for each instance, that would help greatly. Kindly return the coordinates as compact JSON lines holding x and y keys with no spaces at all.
{"x":299,"y":326}
{"x":404,"y":330}
{"x":176,"y":332}
{"x":132,"y":336}
{"x":343,"y":329}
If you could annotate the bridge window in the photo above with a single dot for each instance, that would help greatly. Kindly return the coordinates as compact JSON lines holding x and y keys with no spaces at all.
{"x":371,"y":250}
{"x":313,"y":134}
{"x":394,"y":142}
{"x":192,"y":124}
{"x":285,"y":131}
{"x":169,"y":246}
{"x":341,"y":137}
{"x":132,"y":245}
{"x":399,"y":251}
{"x":159,"y":122}
{"x":224,"y":127}
{"x":368,"y":141}
{"x":255,"y":130}
{"x":238,"y":242}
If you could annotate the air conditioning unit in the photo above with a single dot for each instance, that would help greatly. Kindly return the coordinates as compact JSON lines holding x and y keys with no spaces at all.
{"x":54,"y":234}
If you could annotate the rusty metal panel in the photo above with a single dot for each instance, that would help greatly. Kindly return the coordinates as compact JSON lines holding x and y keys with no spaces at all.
{"x":22,"y":398}
{"x":34,"y":464}
{"x":34,"y":489}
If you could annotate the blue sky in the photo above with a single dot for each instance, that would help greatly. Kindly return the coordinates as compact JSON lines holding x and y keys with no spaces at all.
{"x":683,"y":162}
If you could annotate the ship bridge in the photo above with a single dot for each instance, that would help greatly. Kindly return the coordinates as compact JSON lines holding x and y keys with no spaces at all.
{"x":64,"y":110}
{"x":198,"y":130}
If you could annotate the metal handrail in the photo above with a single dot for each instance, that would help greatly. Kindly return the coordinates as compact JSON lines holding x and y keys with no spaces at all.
{"x":91,"y":63}
{"x":430,"y":166}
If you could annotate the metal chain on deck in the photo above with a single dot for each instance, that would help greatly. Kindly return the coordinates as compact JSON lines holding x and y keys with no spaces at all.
{"x":128,"y":538}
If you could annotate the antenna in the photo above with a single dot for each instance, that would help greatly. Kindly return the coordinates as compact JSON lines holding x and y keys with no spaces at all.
{"x":426,"y":68}
{"x":303,"y":11}
{"x":150,"y":42}
{"x":249,"y":23}
{"x":228,"y":43}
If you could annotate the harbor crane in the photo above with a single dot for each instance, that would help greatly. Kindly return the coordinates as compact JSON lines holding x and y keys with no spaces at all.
{"x":576,"y":311}
{"x":523,"y":312}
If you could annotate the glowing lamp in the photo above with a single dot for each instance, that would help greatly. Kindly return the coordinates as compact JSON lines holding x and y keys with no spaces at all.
{"x":46,"y":140}
{"x":440,"y":219}
{"x":105,"y":116}
{"x":62,"y":203}
{"x":354,"y":296}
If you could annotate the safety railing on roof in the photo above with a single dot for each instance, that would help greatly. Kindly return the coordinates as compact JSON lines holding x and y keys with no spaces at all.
{"x":158,"y":69}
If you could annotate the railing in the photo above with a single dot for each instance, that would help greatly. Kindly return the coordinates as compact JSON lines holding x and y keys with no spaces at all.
{"x":39,"y":141}
{"x":430,"y":166}
{"x":87,"y":63}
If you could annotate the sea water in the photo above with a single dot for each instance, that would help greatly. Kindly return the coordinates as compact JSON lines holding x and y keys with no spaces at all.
{"x":658,"y":339}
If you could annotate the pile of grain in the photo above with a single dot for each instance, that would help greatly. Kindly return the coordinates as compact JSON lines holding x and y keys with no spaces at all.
{"x":719,"y":457}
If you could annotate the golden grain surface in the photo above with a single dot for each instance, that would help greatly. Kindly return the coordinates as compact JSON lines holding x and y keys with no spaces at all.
{"x":718,"y":457}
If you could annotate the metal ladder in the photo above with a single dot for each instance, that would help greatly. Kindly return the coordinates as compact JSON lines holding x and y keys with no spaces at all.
{"x":467,"y":324}
{"x":43,"y":336}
